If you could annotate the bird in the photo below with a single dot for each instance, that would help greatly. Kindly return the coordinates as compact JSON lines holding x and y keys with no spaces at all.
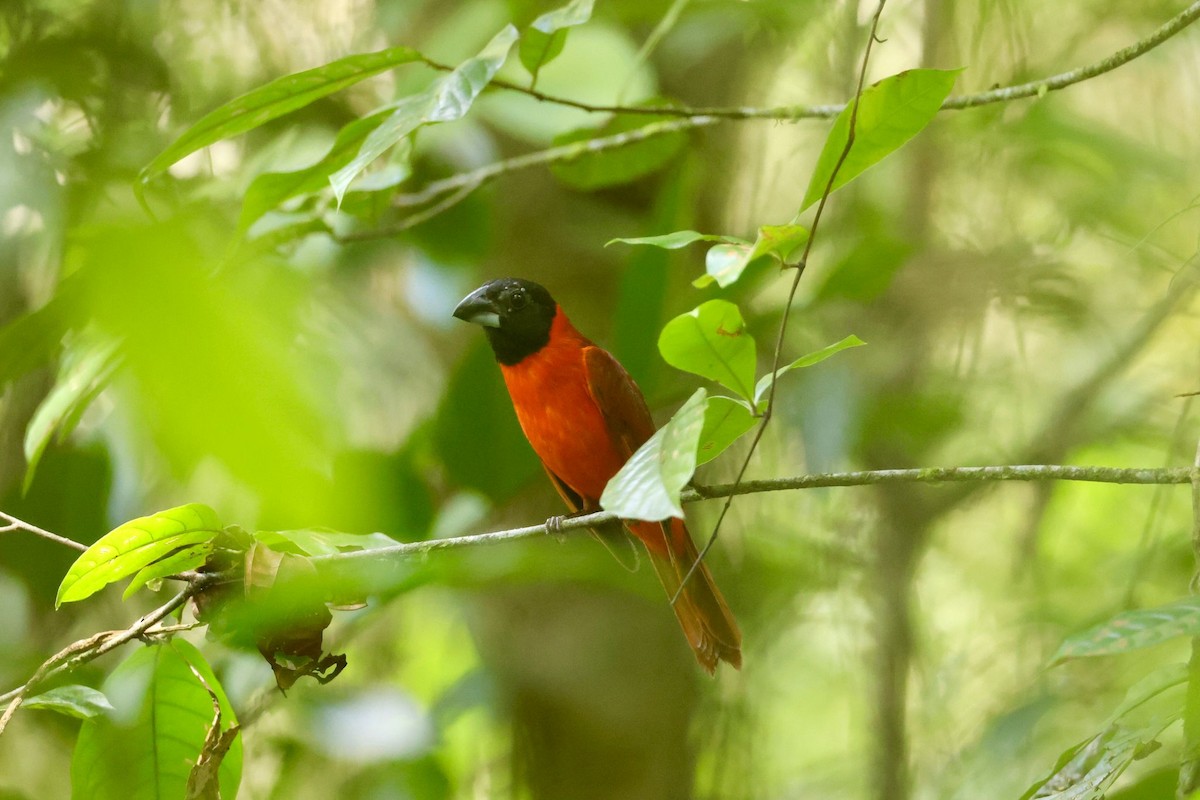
{"x":584,"y":416}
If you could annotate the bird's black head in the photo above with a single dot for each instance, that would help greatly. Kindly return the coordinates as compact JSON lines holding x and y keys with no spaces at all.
{"x":515,"y":314}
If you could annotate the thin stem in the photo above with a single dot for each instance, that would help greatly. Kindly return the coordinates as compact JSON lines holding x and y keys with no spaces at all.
{"x":14,"y":524}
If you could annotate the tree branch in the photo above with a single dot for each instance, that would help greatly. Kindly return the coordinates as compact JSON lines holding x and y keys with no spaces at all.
{"x":930,"y":475}
{"x":11,"y":523}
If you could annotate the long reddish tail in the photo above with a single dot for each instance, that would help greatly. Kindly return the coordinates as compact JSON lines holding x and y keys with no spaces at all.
{"x":703,"y":614}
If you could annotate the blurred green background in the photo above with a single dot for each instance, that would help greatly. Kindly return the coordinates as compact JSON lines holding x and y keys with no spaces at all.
{"x":1018,"y":271}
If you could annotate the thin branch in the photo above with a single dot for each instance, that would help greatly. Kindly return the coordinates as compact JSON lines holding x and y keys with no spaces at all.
{"x":787,"y":308}
{"x":930,"y":475}
{"x":14,"y":524}
{"x":1189,"y":766}
{"x":1018,"y":91}
{"x":412,"y":220}
{"x":93,"y":647}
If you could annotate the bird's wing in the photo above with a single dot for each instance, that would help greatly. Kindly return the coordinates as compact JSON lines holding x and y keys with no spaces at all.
{"x":619,"y":399}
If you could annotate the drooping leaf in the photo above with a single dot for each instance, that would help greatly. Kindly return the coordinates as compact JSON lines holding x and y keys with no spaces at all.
{"x":726,"y":419}
{"x":725,"y":263}
{"x":890,"y":113}
{"x":544,"y":39}
{"x":188,"y":558}
{"x":711,"y":340}
{"x":132,"y":546}
{"x":269,"y":190}
{"x":81,"y":702}
{"x":678,"y":239}
{"x":279,"y":97}
{"x":1087,"y":770}
{"x":145,"y":748}
{"x":448,"y":98}
{"x":649,"y":485}
{"x":315,"y":542}
{"x":80,"y":380}
{"x":1134,"y":630}
{"x":763,"y":387}
{"x":617,"y":165}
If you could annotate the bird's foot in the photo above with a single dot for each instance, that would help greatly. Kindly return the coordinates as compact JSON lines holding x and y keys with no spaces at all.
{"x":554,"y":525}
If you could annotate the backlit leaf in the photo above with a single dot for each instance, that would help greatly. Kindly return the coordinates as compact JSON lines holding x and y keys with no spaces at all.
{"x":649,"y":485}
{"x":132,"y":546}
{"x":890,"y":113}
{"x":279,"y":97}
{"x":725,"y":263}
{"x":711,"y":340}
{"x":726,"y":419}
{"x":188,"y":558}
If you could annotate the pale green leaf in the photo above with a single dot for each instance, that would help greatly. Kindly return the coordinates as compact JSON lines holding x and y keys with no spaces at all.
{"x":649,"y":485}
{"x":319,"y":542}
{"x":890,"y":113}
{"x":711,"y":340}
{"x":544,"y":39}
{"x":726,"y":419}
{"x":764,"y":383}
{"x":132,"y":546}
{"x":447,"y":99}
{"x":81,"y":702}
{"x":145,"y":748}
{"x":279,"y":97}
{"x":83,"y":376}
{"x":725,"y":263}
{"x":678,"y":239}
{"x":1134,"y":630}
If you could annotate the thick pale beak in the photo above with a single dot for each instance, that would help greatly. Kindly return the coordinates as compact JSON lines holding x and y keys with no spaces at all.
{"x":476,"y":308}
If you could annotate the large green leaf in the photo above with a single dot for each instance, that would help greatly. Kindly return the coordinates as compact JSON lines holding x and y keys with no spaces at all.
{"x":1134,"y":630}
{"x":711,"y":340}
{"x":81,"y":702}
{"x":186,"y":558}
{"x":615,"y":166}
{"x":649,"y":485}
{"x":132,"y":546}
{"x":445,"y":100}
{"x":81,"y":378}
{"x":145,"y":749}
{"x":544,"y":39}
{"x":890,"y":113}
{"x":279,"y":97}
{"x":726,"y":419}
{"x":764,"y":383}
{"x":725,"y":263}
{"x":268,"y":190}
{"x":678,"y":239}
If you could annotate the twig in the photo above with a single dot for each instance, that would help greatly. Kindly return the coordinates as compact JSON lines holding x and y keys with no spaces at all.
{"x":1189,"y":766}
{"x":796,"y":112}
{"x":14,"y":524}
{"x":930,"y":475}
{"x":89,"y":649}
{"x":787,"y":308}
{"x":412,"y":220}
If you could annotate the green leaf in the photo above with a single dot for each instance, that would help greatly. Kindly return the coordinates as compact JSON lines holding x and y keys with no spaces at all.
{"x":34,"y":338}
{"x":764,"y":383}
{"x":726,"y":419}
{"x":316,"y":542}
{"x":1134,"y":630}
{"x":145,"y":748}
{"x":890,"y":113}
{"x":599,"y":169}
{"x":269,"y":190}
{"x":544,"y":39}
{"x":448,"y":98}
{"x":649,"y":484}
{"x":279,"y":97}
{"x":725,"y":263}
{"x":711,"y":341}
{"x":1087,"y":770}
{"x":82,"y":377}
{"x":132,"y":546}
{"x":81,"y":702}
{"x":192,"y":557}
{"x":678,"y":239}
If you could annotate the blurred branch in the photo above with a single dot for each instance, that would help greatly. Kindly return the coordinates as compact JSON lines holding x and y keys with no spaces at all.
{"x":93,"y":647}
{"x":930,"y":475}
{"x":796,"y":112}
{"x":462,"y":185}
{"x":11,"y":523}
{"x":1189,"y":767}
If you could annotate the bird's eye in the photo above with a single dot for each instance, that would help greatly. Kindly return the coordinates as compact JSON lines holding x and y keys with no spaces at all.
{"x":518,"y":300}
